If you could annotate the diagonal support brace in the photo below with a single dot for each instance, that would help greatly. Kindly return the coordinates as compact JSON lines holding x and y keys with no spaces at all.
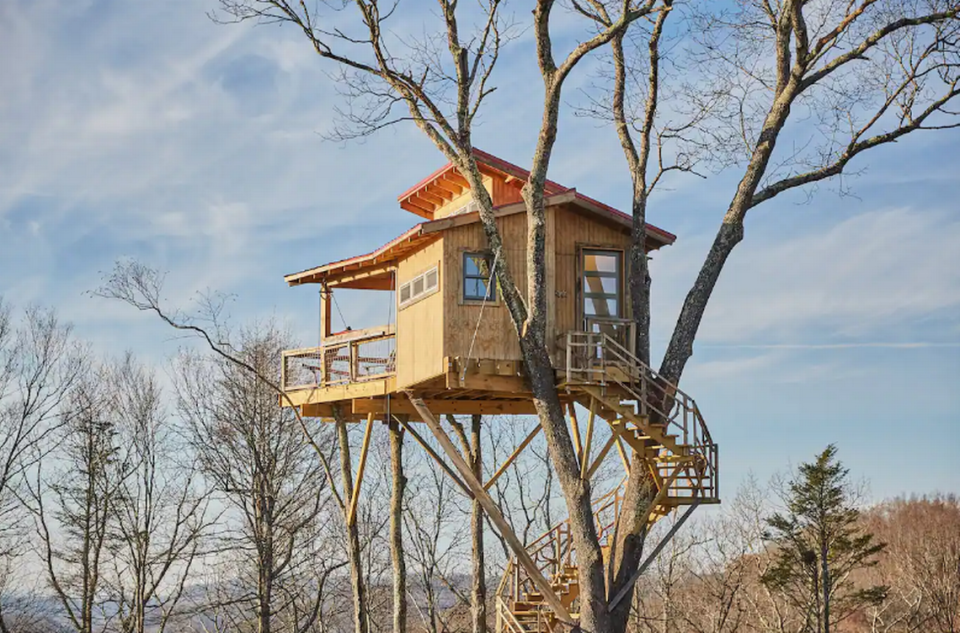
{"x":627,"y":588}
{"x":484,"y":499}
{"x":512,"y":458}
{"x":364,"y":449}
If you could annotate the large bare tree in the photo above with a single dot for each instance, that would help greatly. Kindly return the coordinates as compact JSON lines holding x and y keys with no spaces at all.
{"x":161,"y":515}
{"x":839,"y":78}
{"x":256,"y":458}
{"x":440,"y":86}
{"x":855,"y":75}
{"x":73,"y":504}
{"x":39,"y":365}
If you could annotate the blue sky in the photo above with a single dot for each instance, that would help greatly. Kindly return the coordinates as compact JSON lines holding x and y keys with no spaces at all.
{"x":142,"y":129}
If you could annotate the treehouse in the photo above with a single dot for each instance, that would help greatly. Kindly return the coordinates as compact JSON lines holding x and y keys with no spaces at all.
{"x":453,"y":349}
{"x":453,"y":339}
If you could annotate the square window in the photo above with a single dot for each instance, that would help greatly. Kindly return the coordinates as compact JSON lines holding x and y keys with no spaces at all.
{"x":477,"y":270}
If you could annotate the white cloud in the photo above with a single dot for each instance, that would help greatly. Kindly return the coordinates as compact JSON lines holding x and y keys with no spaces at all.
{"x":861,"y":279}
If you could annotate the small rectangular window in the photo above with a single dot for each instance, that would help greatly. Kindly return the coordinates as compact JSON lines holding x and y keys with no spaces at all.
{"x":423,"y":285}
{"x":477,"y":282}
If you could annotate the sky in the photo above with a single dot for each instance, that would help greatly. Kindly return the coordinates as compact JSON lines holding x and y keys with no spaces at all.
{"x":142,"y":129}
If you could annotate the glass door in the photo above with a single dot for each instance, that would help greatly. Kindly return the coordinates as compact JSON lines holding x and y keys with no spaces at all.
{"x":601,"y":290}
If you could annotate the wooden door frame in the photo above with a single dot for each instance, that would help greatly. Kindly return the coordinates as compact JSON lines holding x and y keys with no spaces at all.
{"x":622,"y":308}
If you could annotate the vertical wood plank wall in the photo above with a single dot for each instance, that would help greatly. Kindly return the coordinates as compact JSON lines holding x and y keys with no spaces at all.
{"x":567,"y":232}
{"x":496,"y":337}
{"x":573,"y":231}
{"x":442,"y":325}
{"x":420,"y":325}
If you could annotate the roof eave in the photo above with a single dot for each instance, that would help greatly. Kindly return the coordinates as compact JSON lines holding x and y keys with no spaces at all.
{"x":317,"y":274}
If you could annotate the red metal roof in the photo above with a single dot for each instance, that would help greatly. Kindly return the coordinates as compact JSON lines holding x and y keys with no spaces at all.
{"x":494,"y":162}
{"x":551,"y":187}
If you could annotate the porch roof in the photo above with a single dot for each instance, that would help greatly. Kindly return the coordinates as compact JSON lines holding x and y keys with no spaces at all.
{"x":371,"y":271}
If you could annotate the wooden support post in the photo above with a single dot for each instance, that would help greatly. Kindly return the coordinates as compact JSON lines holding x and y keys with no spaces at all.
{"x":512,"y":457}
{"x":325,"y":300}
{"x":354,"y":368}
{"x":623,"y":456}
{"x":575,"y":427}
{"x":662,"y":492}
{"x":603,"y":453}
{"x":585,"y":458}
{"x":483,"y":497}
{"x":364,"y":449}
{"x":432,"y":453}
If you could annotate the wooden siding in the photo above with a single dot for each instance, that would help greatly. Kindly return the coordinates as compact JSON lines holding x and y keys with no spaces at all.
{"x":574,"y":231}
{"x":420,"y":325}
{"x":568,"y":231}
{"x":496,"y":337}
{"x":506,"y":192}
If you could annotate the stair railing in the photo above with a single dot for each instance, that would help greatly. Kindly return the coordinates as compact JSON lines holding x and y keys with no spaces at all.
{"x":598,"y":359}
{"x":554,"y":550}
{"x":506,"y":621}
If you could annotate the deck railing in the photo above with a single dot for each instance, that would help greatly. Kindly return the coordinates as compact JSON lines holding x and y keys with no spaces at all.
{"x":354,"y":356}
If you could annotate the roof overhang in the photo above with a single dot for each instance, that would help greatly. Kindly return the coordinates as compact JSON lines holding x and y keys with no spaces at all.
{"x":373,"y":271}
{"x":447,"y":183}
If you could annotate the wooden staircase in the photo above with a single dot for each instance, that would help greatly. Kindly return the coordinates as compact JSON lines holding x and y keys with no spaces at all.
{"x":660,"y":423}
{"x":521,"y":608}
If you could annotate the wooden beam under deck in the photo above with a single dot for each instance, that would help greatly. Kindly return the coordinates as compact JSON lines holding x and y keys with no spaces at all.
{"x":337,"y":393}
{"x":439,"y":406}
{"x":515,"y":385}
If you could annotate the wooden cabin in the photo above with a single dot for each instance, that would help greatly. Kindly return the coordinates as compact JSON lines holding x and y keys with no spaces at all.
{"x":453,"y":340}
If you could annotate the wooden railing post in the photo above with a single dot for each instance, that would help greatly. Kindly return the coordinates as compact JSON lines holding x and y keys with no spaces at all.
{"x":352,"y":352}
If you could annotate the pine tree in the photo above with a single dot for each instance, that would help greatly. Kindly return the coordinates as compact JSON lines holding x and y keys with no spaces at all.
{"x":818,"y":543}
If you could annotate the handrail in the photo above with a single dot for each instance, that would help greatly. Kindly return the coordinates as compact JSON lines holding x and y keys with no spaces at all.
{"x":598,"y":359}
{"x":351,"y":357}
{"x":505,"y":613}
{"x":554,"y":550}
{"x":596,"y":503}
{"x":686,"y":461}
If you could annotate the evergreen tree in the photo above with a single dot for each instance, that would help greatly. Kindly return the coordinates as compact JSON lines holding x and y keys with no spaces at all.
{"x":819,"y":542}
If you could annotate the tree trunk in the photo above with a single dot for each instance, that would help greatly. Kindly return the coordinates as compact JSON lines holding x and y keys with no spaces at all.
{"x":264,"y":594}
{"x":479,"y":595}
{"x":630,"y":536}
{"x":593,"y":599}
{"x":825,"y":582}
{"x":396,"y":529}
{"x":353,"y":534}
